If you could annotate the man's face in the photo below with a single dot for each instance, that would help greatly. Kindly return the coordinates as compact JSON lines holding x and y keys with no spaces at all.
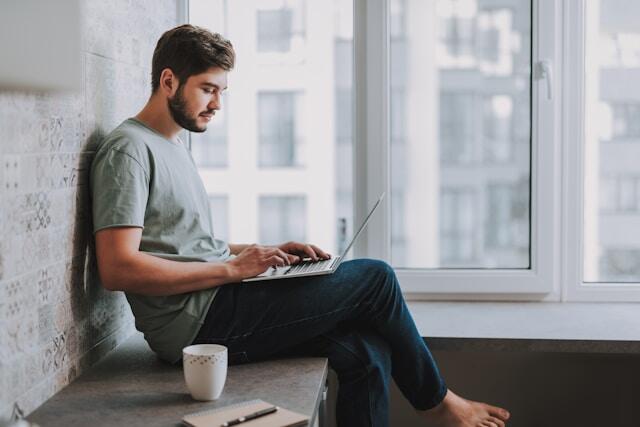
{"x":196,"y":101}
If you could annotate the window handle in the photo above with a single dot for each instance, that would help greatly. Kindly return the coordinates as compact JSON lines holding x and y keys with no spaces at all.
{"x":544,"y":71}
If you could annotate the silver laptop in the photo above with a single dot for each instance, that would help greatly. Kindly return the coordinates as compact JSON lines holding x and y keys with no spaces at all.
{"x":311,"y":268}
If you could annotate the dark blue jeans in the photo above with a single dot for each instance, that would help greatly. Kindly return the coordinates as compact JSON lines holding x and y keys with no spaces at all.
{"x":356,"y":317}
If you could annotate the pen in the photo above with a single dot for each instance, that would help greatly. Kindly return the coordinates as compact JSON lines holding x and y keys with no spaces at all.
{"x":249,"y":417}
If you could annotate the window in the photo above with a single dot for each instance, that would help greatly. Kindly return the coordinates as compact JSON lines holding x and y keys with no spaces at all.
{"x":280,"y":146}
{"x":620,"y":195}
{"x":282,"y":218}
{"x":457,"y":31}
{"x":505,"y":135}
{"x":209,"y":149}
{"x":507,"y":222}
{"x":457,"y":227}
{"x":286,"y":122}
{"x":483,"y":66}
{"x":626,"y":123}
{"x":620,"y":265}
{"x":457,"y":114}
{"x":280,"y":27}
{"x":220,"y":214}
{"x":499,"y":140}
{"x":274,"y":30}
{"x":612,"y":143}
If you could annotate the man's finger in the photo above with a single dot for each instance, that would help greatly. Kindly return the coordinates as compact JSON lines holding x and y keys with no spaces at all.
{"x":277,"y":261}
{"x":285,"y":256}
{"x":308,"y":250}
{"x":320,"y":252}
{"x":275,"y":251}
{"x":294,"y":259}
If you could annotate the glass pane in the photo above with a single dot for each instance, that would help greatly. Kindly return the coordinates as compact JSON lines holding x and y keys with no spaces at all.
{"x":209,"y":149}
{"x":220,"y":212}
{"x":274,"y":30}
{"x":612,"y":142}
{"x":286,"y":122}
{"x":277,"y":118}
{"x":460,"y":133}
{"x":280,"y":24}
{"x":282,"y":218}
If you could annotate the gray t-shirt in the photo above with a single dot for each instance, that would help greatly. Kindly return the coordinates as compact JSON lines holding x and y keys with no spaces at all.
{"x":140,"y":178}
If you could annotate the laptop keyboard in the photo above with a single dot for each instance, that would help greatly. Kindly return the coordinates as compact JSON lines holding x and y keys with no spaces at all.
{"x":310,"y":266}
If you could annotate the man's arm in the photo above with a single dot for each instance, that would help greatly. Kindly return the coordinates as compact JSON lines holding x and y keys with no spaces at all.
{"x":123,"y":267}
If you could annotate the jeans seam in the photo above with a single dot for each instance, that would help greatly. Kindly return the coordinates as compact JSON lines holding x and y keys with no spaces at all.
{"x":284,"y":325}
{"x":363,"y":363}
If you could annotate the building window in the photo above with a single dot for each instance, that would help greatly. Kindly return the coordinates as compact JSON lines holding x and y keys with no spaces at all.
{"x":209,"y":149}
{"x":507,"y":218}
{"x":497,"y":129}
{"x":620,"y":264}
{"x":612,"y":114}
{"x":280,"y":29}
{"x":220,"y":215}
{"x":282,"y":218}
{"x":626,"y":120}
{"x":458,"y":36}
{"x":279,"y":142}
{"x":398,"y":228}
{"x":457,"y":227}
{"x":620,"y":195}
{"x":457,"y":114}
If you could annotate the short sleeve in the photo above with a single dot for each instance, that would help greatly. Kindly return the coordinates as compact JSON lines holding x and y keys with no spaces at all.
{"x":119,"y":190}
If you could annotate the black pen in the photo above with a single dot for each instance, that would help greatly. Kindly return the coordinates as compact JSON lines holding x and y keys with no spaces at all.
{"x":249,"y":417}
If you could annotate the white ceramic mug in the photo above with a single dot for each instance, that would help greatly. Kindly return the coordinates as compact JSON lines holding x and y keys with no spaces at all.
{"x":205,"y":370}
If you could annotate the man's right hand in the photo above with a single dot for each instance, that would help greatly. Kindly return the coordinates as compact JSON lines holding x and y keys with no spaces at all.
{"x":256,"y":259}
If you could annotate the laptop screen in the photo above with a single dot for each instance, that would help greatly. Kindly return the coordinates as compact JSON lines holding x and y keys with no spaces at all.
{"x":366,"y":220}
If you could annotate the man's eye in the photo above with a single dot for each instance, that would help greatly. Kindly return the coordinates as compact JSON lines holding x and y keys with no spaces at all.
{"x":209,"y":91}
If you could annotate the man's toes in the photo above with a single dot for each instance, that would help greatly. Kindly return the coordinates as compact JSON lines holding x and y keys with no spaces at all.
{"x":500,"y":413}
{"x":487,"y":423}
{"x":496,"y":421}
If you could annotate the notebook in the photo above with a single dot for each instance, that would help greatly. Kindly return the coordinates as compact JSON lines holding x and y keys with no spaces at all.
{"x":215,"y":417}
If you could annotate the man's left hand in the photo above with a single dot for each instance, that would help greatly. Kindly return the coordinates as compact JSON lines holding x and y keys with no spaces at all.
{"x":303,"y":250}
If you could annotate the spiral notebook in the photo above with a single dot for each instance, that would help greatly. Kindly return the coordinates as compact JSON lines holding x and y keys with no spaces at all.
{"x":216,"y":417}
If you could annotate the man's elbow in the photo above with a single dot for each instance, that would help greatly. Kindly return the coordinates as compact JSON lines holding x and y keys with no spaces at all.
{"x":111,"y":283}
{"x":113,"y":275}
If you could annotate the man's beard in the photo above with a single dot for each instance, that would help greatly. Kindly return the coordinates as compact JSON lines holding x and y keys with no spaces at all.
{"x":178,"y":109}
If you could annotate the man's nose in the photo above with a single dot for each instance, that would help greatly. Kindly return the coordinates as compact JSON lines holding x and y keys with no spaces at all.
{"x":215,"y":103}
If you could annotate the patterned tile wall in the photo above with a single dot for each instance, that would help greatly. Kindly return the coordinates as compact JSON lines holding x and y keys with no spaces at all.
{"x":55,"y":318}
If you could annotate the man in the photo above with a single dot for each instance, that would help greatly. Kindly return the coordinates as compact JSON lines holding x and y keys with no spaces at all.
{"x":154,"y":241}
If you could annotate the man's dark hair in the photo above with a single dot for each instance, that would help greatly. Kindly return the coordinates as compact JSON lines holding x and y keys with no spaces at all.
{"x":189,"y":50}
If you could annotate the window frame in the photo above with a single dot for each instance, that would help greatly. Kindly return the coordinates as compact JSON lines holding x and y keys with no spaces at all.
{"x":557,"y":133}
{"x":573,"y":115}
{"x":372,"y":165}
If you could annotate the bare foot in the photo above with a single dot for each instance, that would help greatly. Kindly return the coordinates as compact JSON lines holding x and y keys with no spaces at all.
{"x":454,"y":411}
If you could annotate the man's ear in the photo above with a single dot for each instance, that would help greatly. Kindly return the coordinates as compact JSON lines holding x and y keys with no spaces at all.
{"x":168,"y":82}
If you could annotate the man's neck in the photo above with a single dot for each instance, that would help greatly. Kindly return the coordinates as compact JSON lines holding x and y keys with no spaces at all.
{"x":156,"y":115}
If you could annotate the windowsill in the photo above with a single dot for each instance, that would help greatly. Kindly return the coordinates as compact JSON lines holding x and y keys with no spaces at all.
{"x":529,"y":326}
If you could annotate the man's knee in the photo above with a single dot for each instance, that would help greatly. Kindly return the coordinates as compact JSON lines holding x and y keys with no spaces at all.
{"x":377,"y":267}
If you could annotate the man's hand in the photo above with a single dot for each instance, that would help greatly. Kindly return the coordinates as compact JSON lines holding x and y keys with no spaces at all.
{"x":256,"y":259}
{"x":303,"y":250}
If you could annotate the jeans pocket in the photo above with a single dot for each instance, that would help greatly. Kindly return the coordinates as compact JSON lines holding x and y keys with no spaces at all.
{"x":238,"y":358}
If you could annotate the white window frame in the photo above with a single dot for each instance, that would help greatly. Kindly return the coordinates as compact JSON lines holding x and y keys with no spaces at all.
{"x":372,"y":163}
{"x":557,"y":200}
{"x":573,"y":117}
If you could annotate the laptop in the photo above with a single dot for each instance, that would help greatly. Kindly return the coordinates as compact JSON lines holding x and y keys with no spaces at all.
{"x":311,"y":268}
